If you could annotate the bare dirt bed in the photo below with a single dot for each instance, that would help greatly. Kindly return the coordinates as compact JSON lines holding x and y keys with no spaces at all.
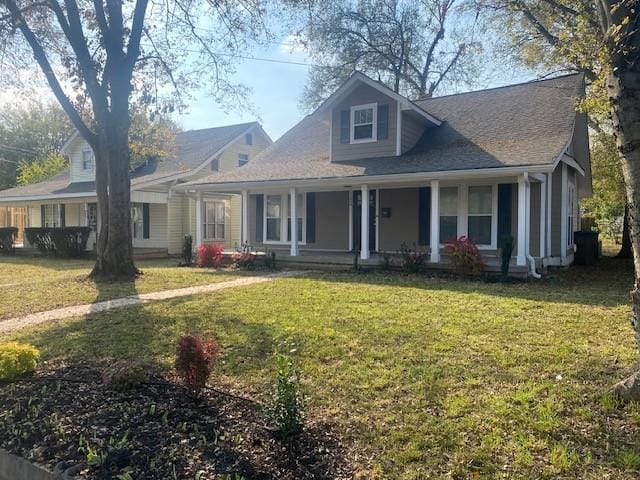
{"x":65,"y":417}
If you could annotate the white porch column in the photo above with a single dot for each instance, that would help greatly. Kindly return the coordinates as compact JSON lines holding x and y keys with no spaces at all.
{"x":198,"y":219}
{"x":293,"y":214}
{"x":521,"y":259}
{"x":543,"y":216}
{"x":245,"y":218}
{"x":434,"y":237}
{"x":364,"y":223}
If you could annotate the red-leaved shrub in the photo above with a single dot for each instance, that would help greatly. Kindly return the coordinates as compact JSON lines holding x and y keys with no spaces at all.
{"x":209,"y":255}
{"x":194,"y":360}
{"x":244,"y":259}
{"x":464,"y":255}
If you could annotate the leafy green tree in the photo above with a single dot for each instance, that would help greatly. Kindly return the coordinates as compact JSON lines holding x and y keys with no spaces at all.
{"x":40,"y":169}
{"x":415,"y":48}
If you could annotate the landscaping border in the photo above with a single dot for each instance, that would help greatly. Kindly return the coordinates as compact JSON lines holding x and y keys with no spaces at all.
{"x":13,"y":467}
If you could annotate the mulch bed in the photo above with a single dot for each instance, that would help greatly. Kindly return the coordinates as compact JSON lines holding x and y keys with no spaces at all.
{"x":65,"y":417}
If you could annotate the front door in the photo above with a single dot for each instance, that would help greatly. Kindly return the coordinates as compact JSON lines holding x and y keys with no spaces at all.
{"x":357,"y":220}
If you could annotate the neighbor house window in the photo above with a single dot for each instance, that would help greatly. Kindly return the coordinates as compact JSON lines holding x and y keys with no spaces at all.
{"x":87,"y":160}
{"x":214,"y":220}
{"x":299,"y":215}
{"x":248,"y":139}
{"x":243,"y":159}
{"x":363,"y":123}
{"x":480,"y":211}
{"x":137,"y":221}
{"x":274,"y":218}
{"x":51,"y":216}
{"x":571,"y":207}
{"x":92,"y":216}
{"x":448,"y":213}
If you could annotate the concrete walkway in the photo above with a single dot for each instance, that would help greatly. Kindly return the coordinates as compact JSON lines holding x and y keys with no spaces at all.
{"x":16,"y":323}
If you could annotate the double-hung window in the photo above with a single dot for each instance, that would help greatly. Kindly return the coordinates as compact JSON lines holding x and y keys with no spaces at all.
{"x":243,"y":159}
{"x":51,"y":216}
{"x":480,"y":209}
{"x":137,"y":221}
{"x":87,"y":160}
{"x":448,"y":214}
{"x":274,"y":218}
{"x":214,"y":220}
{"x":363,"y":123}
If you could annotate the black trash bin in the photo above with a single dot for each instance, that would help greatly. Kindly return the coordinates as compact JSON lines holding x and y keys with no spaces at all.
{"x":586,"y":247}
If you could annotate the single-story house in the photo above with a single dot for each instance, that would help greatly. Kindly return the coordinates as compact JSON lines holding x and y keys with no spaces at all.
{"x":161,"y":215}
{"x":504,"y":161}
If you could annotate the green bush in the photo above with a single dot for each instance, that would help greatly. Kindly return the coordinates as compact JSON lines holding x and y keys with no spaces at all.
{"x":270,"y":260}
{"x":7,"y":239}
{"x":187,"y":250}
{"x":61,"y":241}
{"x":285,"y":410}
{"x":413,"y":261}
{"x":17,"y":359}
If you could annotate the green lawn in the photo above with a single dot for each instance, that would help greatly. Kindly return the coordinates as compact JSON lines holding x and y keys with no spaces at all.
{"x":34,"y":284}
{"x":426,"y":378}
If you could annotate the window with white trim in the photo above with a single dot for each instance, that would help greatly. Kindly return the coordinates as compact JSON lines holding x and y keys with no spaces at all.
{"x":51,"y":216}
{"x":364,"y":123}
{"x":448,"y":214}
{"x":300,"y":209}
{"x":571,"y":209}
{"x":273,"y":231}
{"x":480,"y":214}
{"x":243,"y":159}
{"x":137,"y":221}
{"x":214,"y":220}
{"x":87,"y":160}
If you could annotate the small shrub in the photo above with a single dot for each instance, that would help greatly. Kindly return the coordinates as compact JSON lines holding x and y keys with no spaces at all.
{"x":7,"y":239}
{"x":195,"y":357}
{"x":17,"y":359}
{"x":61,"y":241}
{"x":285,"y":410}
{"x":124,"y":375}
{"x":465,"y":256}
{"x":187,"y":250}
{"x":413,"y":261}
{"x":245,"y":258}
{"x":506,"y":250}
{"x":209,"y":255}
{"x":270,"y":260}
{"x":385,"y":262}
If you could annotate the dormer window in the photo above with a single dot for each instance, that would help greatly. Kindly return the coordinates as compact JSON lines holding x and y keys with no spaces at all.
{"x":87,"y":160}
{"x":364,"y":123}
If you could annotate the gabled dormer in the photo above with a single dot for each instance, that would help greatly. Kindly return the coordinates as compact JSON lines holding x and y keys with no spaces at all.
{"x":369,"y":120}
{"x":82,"y":164}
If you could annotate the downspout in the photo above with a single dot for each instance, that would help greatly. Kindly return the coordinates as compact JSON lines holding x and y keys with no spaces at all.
{"x":532,"y":262}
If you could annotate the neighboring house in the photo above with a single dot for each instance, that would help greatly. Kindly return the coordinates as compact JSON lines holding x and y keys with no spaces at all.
{"x":505,"y":161}
{"x":161,"y":216}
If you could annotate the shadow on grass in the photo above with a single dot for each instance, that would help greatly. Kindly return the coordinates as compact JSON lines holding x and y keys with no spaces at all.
{"x":606,"y":284}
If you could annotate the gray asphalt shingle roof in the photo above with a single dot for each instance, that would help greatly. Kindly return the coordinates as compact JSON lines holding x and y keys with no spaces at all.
{"x":518,"y":125}
{"x":191,"y":149}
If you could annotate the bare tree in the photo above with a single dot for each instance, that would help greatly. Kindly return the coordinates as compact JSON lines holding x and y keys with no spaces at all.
{"x":415,"y":48}
{"x":100,"y":55}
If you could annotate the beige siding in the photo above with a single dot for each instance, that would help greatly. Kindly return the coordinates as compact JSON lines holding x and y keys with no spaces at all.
{"x":402,"y":226}
{"x":75,"y":162}
{"x":176,"y":211}
{"x":72,"y":213}
{"x":157,"y":228}
{"x":411,"y":131}
{"x":232,"y":220}
{"x":235,"y":220}
{"x":362,"y":95}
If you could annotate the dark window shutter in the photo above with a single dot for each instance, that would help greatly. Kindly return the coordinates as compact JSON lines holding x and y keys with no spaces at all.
{"x":424,"y":215}
{"x":311,"y":217}
{"x":63,"y":216}
{"x":259,"y":218}
{"x":504,"y":211}
{"x":383,"y":122}
{"x":345,"y":126}
{"x":42,"y":216}
{"x":145,"y":220}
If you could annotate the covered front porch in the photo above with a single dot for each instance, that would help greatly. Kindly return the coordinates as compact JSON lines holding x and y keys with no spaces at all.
{"x":333,"y":223}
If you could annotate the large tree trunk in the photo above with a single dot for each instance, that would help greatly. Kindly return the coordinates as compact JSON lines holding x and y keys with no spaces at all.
{"x":626,"y":250}
{"x":624,"y":93}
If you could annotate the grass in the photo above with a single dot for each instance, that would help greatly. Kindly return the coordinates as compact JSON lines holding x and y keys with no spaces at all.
{"x":426,"y":378}
{"x":34,"y":284}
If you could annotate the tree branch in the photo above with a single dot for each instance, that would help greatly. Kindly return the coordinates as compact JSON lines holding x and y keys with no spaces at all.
{"x":133,"y":49}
